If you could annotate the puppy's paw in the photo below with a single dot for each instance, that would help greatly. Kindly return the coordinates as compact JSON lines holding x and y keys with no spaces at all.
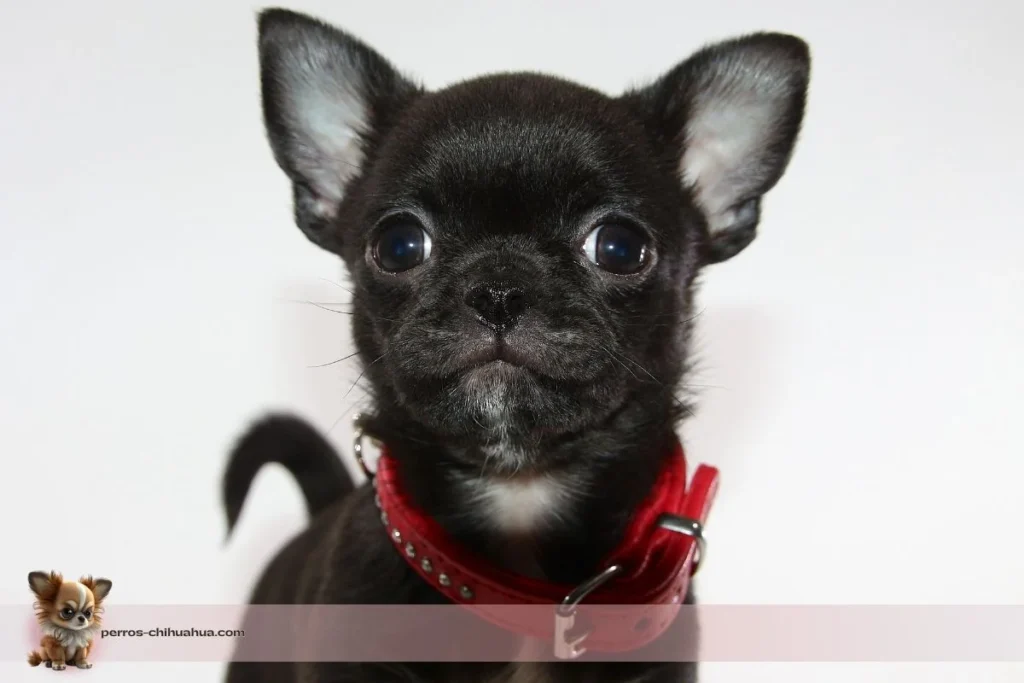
{"x":58,"y":666}
{"x":84,"y":665}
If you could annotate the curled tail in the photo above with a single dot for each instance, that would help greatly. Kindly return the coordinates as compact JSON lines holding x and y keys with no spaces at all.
{"x":302,"y":450}
{"x":34,"y":658}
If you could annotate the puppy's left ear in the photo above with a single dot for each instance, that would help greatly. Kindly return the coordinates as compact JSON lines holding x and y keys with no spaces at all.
{"x":730,"y":114}
{"x":100,"y":587}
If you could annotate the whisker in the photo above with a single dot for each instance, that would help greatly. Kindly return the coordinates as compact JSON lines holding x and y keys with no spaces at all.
{"x":344,"y":412}
{"x":695,"y":315}
{"x":619,"y":361}
{"x":666,"y":315}
{"x":339,"y":286}
{"x":334,"y":310}
{"x":620,"y":358}
{"x":646,"y":371}
{"x":647,"y":326}
{"x":334,"y":362}
{"x":656,"y":316}
{"x":686,"y":409}
{"x":321,"y":306}
{"x":343,"y":400}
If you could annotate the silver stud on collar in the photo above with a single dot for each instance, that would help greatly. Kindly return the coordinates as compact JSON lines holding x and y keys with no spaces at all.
{"x":410,"y":550}
{"x":376,"y":500}
{"x":426,"y":565}
{"x":396,"y":535}
{"x":466,"y":593}
{"x":444,"y":580}
{"x":384,"y":518}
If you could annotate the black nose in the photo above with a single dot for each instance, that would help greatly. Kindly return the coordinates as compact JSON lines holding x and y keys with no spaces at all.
{"x":499,"y":304}
{"x":81,"y":619}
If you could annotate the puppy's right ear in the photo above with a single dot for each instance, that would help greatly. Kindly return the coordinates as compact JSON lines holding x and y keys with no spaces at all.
{"x":45,"y":585}
{"x":327,"y":98}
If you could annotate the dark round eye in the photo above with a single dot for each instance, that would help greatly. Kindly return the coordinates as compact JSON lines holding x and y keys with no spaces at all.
{"x":67,"y":612}
{"x":617,"y":248}
{"x":88,"y":614}
{"x":402,"y":245}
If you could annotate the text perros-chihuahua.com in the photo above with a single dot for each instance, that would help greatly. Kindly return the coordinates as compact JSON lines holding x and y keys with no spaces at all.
{"x":523,"y":254}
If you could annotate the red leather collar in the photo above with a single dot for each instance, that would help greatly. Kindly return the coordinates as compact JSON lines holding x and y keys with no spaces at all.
{"x":656,"y":564}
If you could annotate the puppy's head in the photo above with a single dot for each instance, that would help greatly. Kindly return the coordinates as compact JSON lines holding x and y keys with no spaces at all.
{"x":73,"y":605}
{"x":523,"y":249}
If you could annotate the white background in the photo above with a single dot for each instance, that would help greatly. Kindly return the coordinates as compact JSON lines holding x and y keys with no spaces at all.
{"x":863,"y":356}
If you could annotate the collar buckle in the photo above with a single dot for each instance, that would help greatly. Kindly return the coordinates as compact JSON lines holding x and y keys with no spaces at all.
{"x":567,"y":645}
{"x":688,"y":527}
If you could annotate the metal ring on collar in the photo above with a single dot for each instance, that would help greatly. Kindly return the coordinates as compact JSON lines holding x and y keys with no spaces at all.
{"x":359,"y":425}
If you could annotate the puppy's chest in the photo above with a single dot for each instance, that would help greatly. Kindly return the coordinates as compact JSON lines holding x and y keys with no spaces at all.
{"x":71,"y":641}
{"x":514,"y":513}
{"x":516,"y":507}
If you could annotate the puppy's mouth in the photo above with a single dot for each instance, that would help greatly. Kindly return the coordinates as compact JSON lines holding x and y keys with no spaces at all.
{"x":75,"y":626}
{"x":498,"y":355}
{"x":479,"y":386}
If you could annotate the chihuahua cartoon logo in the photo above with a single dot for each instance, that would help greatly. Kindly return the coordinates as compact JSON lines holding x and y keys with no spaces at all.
{"x":69,"y":613}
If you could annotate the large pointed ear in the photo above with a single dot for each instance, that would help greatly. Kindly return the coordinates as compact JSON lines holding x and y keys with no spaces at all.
{"x":326,"y":98}
{"x":731,"y":113}
{"x":45,"y":585}
{"x":100,"y":587}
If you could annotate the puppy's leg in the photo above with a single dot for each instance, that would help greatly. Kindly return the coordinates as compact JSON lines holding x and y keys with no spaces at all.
{"x":55,"y":651}
{"x":82,"y":658}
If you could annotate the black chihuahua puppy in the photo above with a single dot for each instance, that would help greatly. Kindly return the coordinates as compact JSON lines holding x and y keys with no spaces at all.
{"x":523,"y":252}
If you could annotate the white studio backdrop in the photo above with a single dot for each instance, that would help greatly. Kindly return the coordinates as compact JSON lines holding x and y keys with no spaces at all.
{"x":861,"y":360}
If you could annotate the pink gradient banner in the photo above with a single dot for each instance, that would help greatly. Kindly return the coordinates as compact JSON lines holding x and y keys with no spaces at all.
{"x":406,"y":633}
